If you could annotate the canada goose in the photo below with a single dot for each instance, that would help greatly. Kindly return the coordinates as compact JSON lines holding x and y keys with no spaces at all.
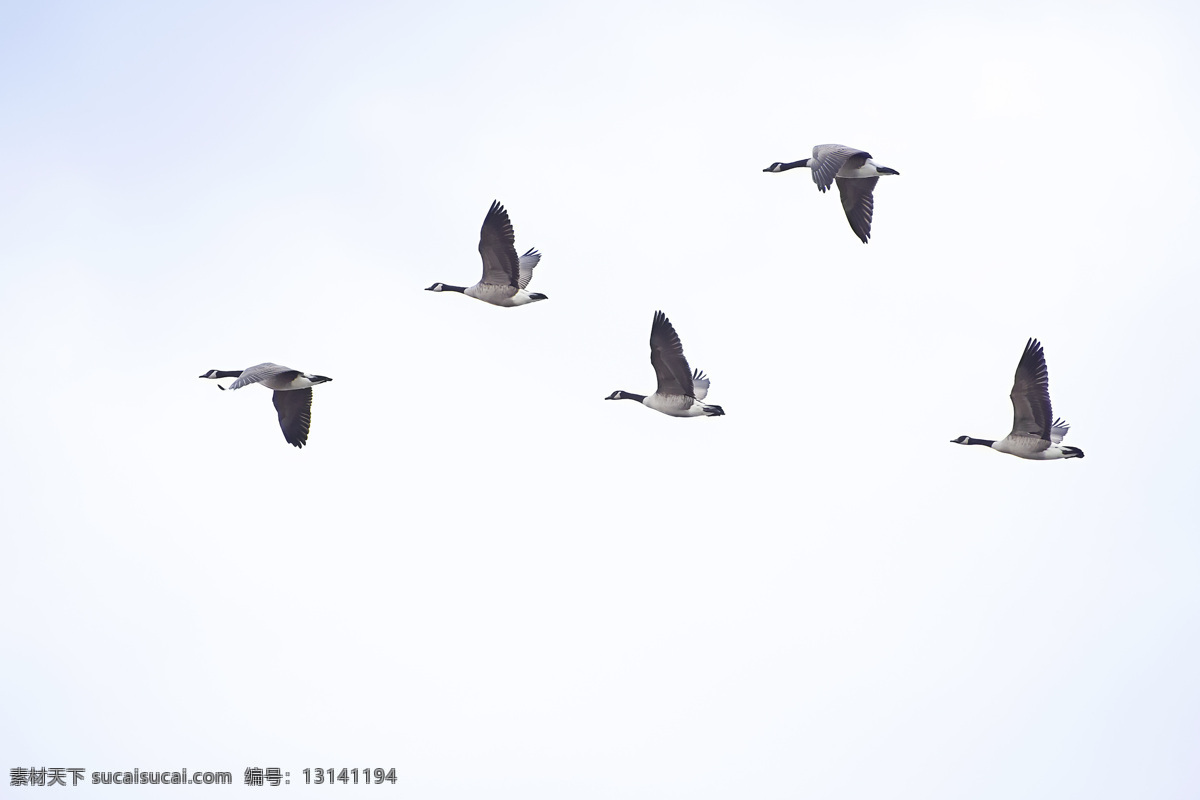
{"x":504,"y":275}
{"x":680,"y":390}
{"x":293,"y":394}
{"x":856,"y":175}
{"x":1033,"y":436}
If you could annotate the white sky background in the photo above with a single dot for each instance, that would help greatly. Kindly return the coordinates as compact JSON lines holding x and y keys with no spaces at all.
{"x":478,"y":571}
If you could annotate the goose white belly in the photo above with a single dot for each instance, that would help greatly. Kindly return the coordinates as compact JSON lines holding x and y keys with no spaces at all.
{"x":675,"y":405}
{"x":498,"y":295}
{"x":1030,"y":447}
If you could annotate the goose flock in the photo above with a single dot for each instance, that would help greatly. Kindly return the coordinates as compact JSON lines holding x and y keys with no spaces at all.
{"x":1036,"y":435}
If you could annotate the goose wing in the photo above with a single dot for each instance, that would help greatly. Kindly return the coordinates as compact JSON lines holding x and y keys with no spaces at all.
{"x":261,"y":372}
{"x":700,"y":383}
{"x":666,"y":354}
{"x":1058,"y":431}
{"x":1031,"y":395}
{"x":525,"y":264}
{"x":858,"y":200}
{"x":294,"y":407}
{"x":829,"y":158}
{"x":496,"y":246}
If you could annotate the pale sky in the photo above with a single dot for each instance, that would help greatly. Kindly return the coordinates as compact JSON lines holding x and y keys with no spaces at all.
{"x":481,"y":574}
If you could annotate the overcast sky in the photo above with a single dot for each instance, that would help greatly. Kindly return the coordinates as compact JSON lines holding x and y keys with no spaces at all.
{"x":483,"y":575}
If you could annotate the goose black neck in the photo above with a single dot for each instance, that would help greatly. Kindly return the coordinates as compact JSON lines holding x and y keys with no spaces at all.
{"x":225,"y":373}
{"x":801,"y":163}
{"x":630,"y":396}
{"x":984,"y":442}
{"x":448,"y":288}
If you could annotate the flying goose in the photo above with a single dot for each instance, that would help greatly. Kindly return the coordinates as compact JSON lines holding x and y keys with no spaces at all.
{"x":504,"y":275}
{"x":680,"y":390}
{"x":856,"y":175}
{"x":1034,"y":435}
{"x":293,"y":394}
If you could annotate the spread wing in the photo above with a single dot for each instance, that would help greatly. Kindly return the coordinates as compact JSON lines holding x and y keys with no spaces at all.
{"x":666,"y":355}
{"x":829,"y":158}
{"x":1031,"y":394}
{"x":1058,"y":431}
{"x":700,"y":383}
{"x":525,"y":267}
{"x":294,"y":407}
{"x":261,"y":372}
{"x":858,"y":200}
{"x":497,"y":248}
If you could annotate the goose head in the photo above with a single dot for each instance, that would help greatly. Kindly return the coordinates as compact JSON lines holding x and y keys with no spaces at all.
{"x":220,"y":373}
